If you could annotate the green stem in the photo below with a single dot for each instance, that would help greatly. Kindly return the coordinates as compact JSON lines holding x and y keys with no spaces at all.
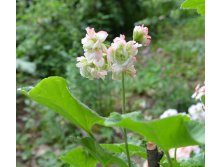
{"x":168,"y":159}
{"x":175,"y":153}
{"x":124,"y":130}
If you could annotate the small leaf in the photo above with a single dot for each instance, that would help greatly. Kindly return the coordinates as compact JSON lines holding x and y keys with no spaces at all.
{"x":53,"y":92}
{"x":194,"y":4}
{"x":100,"y":154}
{"x":78,"y":157}
{"x":120,"y":148}
{"x":198,"y":160}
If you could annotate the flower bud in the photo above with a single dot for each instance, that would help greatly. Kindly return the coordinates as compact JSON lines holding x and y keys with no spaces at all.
{"x":140,"y":35}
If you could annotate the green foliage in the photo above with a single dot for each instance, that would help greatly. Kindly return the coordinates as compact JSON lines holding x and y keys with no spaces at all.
{"x":197,"y":160}
{"x":101,"y":91}
{"x":103,"y":156}
{"x":78,"y":157}
{"x":92,"y":153}
{"x":199,"y":5}
{"x":120,"y":148}
{"x":49,"y":159}
{"x":53,"y":92}
{"x":44,"y":36}
{"x":172,"y":132}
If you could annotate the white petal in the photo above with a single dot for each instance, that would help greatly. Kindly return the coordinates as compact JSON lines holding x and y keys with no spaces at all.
{"x":102,"y":35}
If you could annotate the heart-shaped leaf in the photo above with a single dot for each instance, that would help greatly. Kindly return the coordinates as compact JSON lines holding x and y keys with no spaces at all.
{"x":53,"y":92}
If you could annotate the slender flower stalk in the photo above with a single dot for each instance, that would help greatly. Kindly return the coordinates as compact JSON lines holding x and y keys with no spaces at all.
{"x":124,"y":130}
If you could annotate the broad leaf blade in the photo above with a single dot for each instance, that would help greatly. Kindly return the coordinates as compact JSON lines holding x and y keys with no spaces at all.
{"x":199,"y":5}
{"x":171,"y":132}
{"x":197,"y":130}
{"x":53,"y":92}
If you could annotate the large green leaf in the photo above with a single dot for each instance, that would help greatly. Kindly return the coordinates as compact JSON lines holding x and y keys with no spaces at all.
{"x":93,"y":153}
{"x":176,"y":131}
{"x":78,"y":157}
{"x":106,"y":158}
{"x":171,"y":132}
{"x":199,"y":5}
{"x":53,"y":92}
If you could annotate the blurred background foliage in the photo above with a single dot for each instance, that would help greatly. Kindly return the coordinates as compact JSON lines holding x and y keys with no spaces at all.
{"x":49,"y":40}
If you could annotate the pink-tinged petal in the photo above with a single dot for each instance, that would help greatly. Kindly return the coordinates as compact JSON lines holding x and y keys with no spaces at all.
{"x":99,"y":63}
{"x":202,"y":89}
{"x":90,"y":31}
{"x":90,"y":56}
{"x":140,"y":34}
{"x":110,"y":53}
{"x":96,"y":45}
{"x":148,"y":42}
{"x":99,"y":54}
{"x":122,"y":36}
{"x":197,"y":87}
{"x":102,"y":35}
{"x":120,"y":39}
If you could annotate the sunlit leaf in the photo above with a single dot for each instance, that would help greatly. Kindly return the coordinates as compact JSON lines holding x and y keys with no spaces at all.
{"x":172,"y":132}
{"x":199,"y":5}
{"x":53,"y":92}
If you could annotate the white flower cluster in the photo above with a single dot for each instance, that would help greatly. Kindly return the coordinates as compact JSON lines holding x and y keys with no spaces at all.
{"x":168,"y":113}
{"x":199,"y":92}
{"x":197,"y":112}
{"x":119,"y":57}
{"x":92,"y":64}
